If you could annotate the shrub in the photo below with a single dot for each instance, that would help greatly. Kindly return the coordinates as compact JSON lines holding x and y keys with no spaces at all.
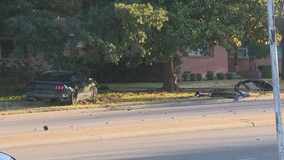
{"x":210,"y":75}
{"x":229,"y":75}
{"x":185,"y":76}
{"x":266,"y":71}
{"x":192,"y":77}
{"x":179,"y":77}
{"x":220,"y":76}
{"x":199,"y":76}
{"x":103,"y":87}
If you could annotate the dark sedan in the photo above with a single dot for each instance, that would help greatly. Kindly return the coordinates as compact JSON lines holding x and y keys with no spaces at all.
{"x":64,"y":86}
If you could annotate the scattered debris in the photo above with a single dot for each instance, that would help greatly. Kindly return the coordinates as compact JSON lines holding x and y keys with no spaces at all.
{"x":250,"y":84}
{"x":199,"y":94}
{"x":45,"y":128}
{"x":226,"y":94}
{"x":253,"y":83}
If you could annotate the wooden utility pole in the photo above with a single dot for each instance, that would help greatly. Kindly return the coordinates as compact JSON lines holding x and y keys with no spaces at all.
{"x":275,"y":77}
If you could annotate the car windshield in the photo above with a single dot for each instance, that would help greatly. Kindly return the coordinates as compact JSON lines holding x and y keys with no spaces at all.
{"x":54,"y":76}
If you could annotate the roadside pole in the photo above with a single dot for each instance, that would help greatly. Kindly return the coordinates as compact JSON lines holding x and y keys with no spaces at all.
{"x":275,"y":77}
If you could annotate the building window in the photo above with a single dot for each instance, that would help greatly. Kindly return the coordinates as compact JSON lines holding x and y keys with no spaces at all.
{"x":78,"y":45}
{"x":6,"y":49}
{"x":242,"y":51}
{"x":197,"y":52}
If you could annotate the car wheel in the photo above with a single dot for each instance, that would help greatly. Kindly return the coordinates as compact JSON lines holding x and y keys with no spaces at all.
{"x":73,"y":97}
{"x":95,"y":92}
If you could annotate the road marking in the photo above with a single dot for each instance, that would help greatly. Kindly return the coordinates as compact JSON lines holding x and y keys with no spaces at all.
{"x":97,"y":154}
{"x":248,"y":159}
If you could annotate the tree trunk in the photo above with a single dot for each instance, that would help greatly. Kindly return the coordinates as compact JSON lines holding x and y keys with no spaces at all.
{"x":236,"y":57}
{"x":170,"y":79}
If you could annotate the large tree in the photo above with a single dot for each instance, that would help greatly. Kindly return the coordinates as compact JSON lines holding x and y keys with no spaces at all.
{"x":155,"y":29}
{"x":203,"y":24}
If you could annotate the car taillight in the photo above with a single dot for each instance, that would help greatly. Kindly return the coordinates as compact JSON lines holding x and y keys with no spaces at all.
{"x":59,"y":87}
{"x":30,"y":86}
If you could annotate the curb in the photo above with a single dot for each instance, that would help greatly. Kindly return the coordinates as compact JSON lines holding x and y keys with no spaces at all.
{"x":192,"y":103}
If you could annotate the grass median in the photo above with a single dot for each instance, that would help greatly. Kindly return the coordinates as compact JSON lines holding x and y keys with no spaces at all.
{"x":13,"y":99}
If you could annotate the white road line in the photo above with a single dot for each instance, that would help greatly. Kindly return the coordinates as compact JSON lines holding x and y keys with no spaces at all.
{"x":248,"y":159}
{"x":87,"y":155}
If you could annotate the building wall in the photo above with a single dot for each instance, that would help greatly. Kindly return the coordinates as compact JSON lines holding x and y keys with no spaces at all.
{"x":243,"y":63}
{"x":217,"y":62}
{"x":23,"y":70}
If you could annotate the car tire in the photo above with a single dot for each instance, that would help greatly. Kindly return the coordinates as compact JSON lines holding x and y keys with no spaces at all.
{"x":73,"y":98}
{"x":95,"y":92}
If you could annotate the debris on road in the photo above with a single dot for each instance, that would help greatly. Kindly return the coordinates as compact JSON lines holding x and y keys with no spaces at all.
{"x":45,"y":128}
{"x":250,"y":84}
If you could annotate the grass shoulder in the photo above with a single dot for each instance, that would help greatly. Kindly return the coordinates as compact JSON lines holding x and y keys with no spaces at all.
{"x":13,"y":100}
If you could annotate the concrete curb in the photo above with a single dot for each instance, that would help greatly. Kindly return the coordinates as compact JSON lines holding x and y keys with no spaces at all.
{"x":192,"y":103}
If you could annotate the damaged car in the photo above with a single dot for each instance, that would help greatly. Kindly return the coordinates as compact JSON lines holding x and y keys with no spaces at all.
{"x":250,"y":85}
{"x":63,"y":86}
{"x":255,"y":84}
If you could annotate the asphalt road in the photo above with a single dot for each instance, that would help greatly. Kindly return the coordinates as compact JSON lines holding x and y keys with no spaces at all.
{"x":81,"y":119}
{"x":91,"y":134}
{"x":252,"y":143}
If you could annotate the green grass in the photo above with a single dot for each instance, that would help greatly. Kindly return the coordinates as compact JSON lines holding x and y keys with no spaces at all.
{"x":13,"y":101}
{"x":214,"y":84}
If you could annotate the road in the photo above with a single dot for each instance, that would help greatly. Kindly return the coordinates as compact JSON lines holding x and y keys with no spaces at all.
{"x":252,"y":143}
{"x":115,"y":130}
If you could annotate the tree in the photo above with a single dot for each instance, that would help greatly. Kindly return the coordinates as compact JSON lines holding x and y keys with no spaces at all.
{"x":257,"y":50}
{"x":154,"y":29}
{"x":202,"y":24}
{"x":32,"y":25}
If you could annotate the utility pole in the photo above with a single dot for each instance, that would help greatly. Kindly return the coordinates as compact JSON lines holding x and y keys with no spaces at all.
{"x":275,"y":77}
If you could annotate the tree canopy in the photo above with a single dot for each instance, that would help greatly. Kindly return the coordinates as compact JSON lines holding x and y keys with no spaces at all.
{"x":155,"y":29}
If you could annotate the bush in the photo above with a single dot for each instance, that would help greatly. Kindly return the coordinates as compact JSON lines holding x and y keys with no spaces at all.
{"x":199,"y":76}
{"x":229,"y":75}
{"x":192,"y":77}
{"x":103,"y":87}
{"x":210,"y":75}
{"x":220,"y":76}
{"x":179,"y":77}
{"x":185,"y":76}
{"x":266,"y":71}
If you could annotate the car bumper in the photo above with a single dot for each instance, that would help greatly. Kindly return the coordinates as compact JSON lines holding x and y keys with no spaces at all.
{"x":62,"y":96}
